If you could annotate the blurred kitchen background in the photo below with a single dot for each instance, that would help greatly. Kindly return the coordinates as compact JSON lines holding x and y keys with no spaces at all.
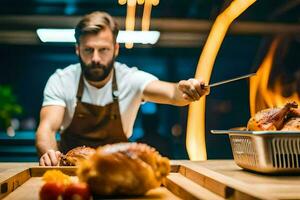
{"x":27,"y":63}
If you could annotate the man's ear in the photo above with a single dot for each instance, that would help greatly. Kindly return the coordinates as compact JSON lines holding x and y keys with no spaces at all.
{"x":117,"y":46}
{"x":77,"y":49}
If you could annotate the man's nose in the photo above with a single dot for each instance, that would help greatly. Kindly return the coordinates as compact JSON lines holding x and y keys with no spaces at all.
{"x":96,"y":57}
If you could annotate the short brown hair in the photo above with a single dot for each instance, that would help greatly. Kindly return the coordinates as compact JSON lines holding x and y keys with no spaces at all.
{"x":95,"y":22}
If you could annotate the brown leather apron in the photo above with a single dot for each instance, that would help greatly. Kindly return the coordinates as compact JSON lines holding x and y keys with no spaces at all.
{"x":94,"y":125}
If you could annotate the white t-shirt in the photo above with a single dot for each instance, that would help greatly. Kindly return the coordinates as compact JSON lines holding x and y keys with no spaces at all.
{"x":61,"y":90}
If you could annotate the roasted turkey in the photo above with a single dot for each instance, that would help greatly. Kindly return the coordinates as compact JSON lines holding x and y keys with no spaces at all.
{"x":273,"y":119}
{"x":72,"y":157}
{"x":124,"y":169}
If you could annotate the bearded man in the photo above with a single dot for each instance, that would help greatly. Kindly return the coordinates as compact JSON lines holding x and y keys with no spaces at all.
{"x":95,"y":101}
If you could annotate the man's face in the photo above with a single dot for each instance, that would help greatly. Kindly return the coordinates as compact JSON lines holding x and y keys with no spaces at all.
{"x":97,"y":54}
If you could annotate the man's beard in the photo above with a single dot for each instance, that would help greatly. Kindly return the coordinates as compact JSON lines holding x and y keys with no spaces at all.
{"x":96,"y":72}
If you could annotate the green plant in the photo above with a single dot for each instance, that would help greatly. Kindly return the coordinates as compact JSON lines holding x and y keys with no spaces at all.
{"x":8,"y":106}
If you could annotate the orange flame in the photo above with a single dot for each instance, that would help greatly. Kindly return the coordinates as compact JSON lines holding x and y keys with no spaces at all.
{"x":262,"y":96}
{"x":195,"y":134}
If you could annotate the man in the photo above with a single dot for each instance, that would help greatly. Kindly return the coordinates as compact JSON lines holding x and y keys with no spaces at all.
{"x":95,"y":102}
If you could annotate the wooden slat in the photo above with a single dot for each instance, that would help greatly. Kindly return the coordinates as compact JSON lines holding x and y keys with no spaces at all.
{"x":28,"y":191}
{"x":187,"y":189}
{"x":39,"y":171}
{"x":219,"y":188}
{"x":175,"y":168}
{"x":10,"y":184}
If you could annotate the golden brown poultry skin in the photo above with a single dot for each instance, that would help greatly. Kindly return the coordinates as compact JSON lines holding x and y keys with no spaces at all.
{"x":292,"y":124}
{"x":124,"y":169}
{"x":72,"y":157}
{"x":294,"y":112}
{"x":273,"y":119}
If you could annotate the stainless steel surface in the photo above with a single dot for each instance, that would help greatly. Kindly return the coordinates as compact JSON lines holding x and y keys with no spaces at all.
{"x":230,"y":80}
{"x":265,"y":151}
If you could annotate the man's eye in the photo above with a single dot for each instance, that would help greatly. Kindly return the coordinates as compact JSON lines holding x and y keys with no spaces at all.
{"x":104,"y":49}
{"x":88,"y":50}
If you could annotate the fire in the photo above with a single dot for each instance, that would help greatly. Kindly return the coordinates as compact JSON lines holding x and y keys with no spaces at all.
{"x":261,"y":95}
{"x":195,"y":138}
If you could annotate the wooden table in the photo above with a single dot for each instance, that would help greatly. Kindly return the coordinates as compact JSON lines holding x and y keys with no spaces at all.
{"x":225,"y":178}
{"x":213,"y":179}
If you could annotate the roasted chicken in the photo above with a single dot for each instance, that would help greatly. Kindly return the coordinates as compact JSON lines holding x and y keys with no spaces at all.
{"x":73,"y":156}
{"x":294,"y":112}
{"x":272,"y":119}
{"x":124,"y":169}
{"x":292,"y":124}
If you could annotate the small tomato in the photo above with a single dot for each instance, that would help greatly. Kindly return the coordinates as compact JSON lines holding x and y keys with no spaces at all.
{"x":77,"y":191}
{"x":51,"y":191}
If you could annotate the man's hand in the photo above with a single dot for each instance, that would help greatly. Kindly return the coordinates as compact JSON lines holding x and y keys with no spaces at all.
{"x":193,"y":89}
{"x":50,"y":158}
{"x":179,"y":94}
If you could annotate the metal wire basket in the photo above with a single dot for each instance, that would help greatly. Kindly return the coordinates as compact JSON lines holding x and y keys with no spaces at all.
{"x":265,"y":151}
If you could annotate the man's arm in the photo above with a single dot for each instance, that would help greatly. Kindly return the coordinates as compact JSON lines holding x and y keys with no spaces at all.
{"x":50,"y":121}
{"x":179,"y":94}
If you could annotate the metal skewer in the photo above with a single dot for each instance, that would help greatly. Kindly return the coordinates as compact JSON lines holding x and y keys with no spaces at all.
{"x":230,"y":80}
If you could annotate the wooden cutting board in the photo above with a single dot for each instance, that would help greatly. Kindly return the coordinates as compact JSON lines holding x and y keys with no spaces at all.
{"x":26,"y":183}
{"x":30,"y":191}
{"x":214,"y":179}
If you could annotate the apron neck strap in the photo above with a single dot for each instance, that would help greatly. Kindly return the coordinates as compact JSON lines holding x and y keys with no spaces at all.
{"x":115,"y":92}
{"x":80,"y":88}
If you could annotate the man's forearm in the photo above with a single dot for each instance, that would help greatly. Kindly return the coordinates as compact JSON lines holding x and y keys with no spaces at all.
{"x":45,"y":140}
{"x":164,"y":93}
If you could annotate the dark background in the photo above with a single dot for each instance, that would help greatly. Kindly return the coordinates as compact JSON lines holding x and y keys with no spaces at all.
{"x":26,"y":67}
